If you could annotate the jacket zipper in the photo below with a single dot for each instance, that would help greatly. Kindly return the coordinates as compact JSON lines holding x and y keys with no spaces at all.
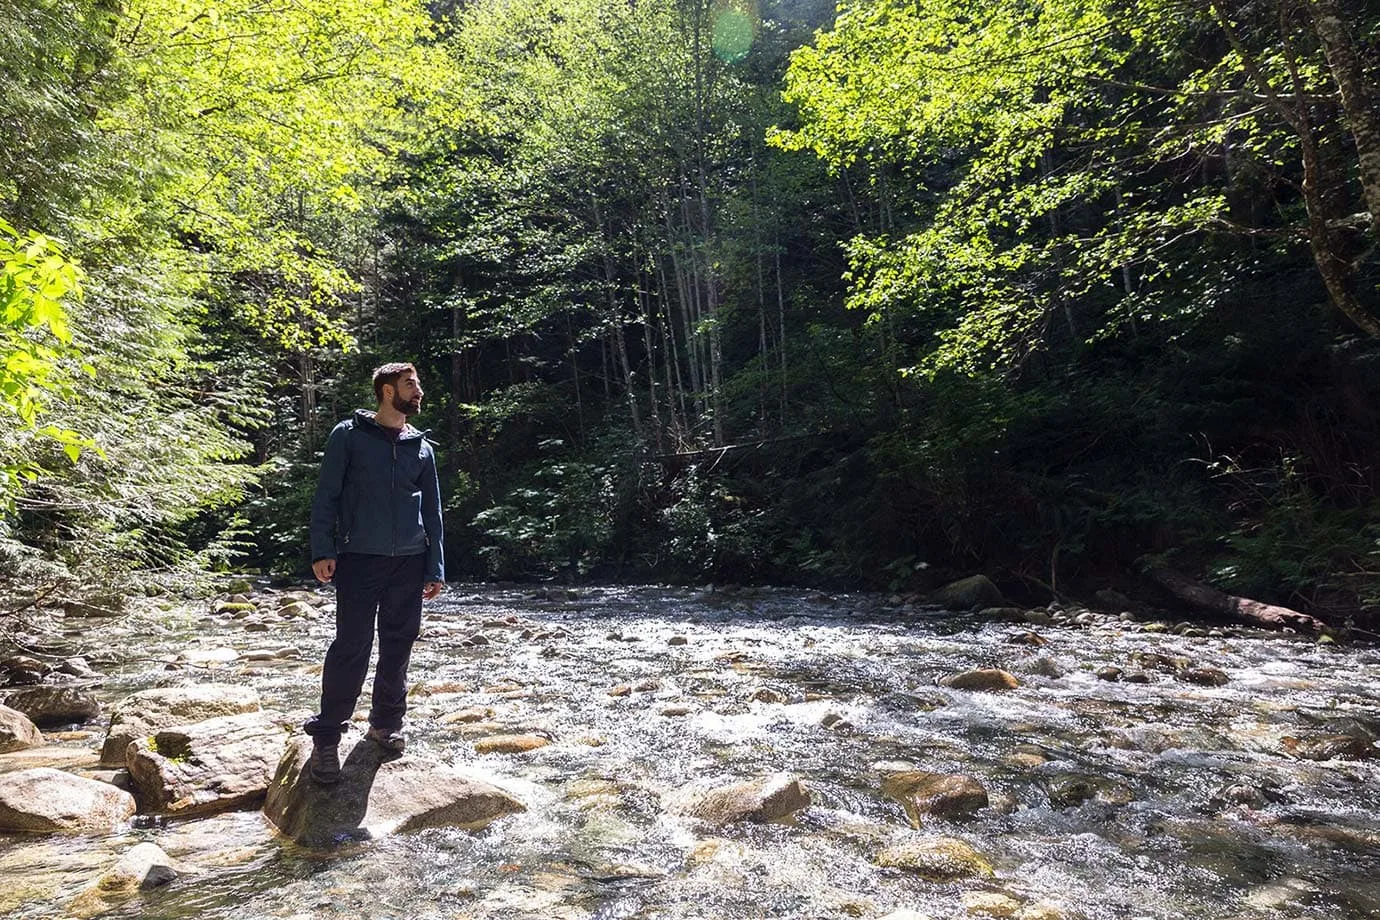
{"x":392,"y":495}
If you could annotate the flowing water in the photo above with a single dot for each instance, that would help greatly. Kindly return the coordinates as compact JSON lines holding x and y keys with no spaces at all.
{"x":1123,"y":800}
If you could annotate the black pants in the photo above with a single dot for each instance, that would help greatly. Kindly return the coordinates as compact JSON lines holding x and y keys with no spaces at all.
{"x":386,"y":587}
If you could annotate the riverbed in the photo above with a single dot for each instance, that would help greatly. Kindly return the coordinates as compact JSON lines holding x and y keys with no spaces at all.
{"x":1146,"y":796}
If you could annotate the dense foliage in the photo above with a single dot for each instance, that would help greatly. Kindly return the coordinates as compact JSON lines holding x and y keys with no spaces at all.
{"x":867,"y":295}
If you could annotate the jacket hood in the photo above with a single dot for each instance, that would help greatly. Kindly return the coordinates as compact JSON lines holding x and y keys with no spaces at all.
{"x":369,"y":417}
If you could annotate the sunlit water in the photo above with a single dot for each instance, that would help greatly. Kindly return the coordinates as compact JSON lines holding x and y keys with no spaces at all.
{"x":1158,"y":831}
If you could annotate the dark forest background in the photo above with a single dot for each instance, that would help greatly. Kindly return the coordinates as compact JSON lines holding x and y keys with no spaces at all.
{"x":860,"y":297}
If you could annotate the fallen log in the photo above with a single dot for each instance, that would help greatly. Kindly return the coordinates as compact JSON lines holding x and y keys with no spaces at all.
{"x":1229,"y":605}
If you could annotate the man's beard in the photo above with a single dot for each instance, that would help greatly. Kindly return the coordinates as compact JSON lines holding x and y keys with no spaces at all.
{"x":407,"y":408}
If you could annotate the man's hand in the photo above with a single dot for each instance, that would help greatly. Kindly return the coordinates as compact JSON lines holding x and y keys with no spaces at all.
{"x":431,"y":589}
{"x":324,"y":569}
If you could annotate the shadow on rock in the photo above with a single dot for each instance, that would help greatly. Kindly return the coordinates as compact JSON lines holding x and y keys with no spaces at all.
{"x":379,"y":793}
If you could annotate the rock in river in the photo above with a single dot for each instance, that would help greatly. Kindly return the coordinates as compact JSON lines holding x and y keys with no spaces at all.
{"x":378,"y":794}
{"x":938,"y":859}
{"x":991,"y":680}
{"x":774,"y":798}
{"x":970,"y":593}
{"x":148,"y":711}
{"x":49,"y":706}
{"x":943,"y":795}
{"x":143,"y":868}
{"x":16,"y":731}
{"x":42,"y":800}
{"x":206,"y":767}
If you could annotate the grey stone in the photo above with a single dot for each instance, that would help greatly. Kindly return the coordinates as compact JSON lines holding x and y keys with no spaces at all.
{"x":17,"y":732}
{"x":944,"y":795}
{"x":774,"y":798}
{"x":148,"y":711}
{"x":378,"y":794}
{"x":48,"y":707}
{"x":43,"y":800}
{"x":206,"y":767}
{"x":971,"y":593}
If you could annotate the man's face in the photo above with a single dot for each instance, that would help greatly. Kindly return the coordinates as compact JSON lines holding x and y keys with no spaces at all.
{"x":407,"y":395}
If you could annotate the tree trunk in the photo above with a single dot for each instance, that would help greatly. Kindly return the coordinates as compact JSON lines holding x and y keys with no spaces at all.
{"x":1241,"y":608}
{"x":1359,"y":99}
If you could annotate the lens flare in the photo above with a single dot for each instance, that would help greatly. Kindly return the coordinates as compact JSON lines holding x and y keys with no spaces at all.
{"x":734,"y":24}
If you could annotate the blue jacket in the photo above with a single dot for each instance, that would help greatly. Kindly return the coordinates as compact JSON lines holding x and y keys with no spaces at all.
{"x":377,"y":495}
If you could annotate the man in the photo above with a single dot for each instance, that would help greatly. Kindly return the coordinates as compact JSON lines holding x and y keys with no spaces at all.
{"x":375,"y":530}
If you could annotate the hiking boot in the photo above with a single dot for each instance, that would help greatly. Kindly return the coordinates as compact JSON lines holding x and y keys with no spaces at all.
{"x":325,"y":763}
{"x":390,"y":739}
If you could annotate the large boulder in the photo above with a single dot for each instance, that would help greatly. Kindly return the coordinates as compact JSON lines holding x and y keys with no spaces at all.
{"x":50,"y":706}
{"x":17,"y":732}
{"x":774,"y":798}
{"x":972,"y":593}
{"x":143,"y":868}
{"x":944,"y":795}
{"x":43,"y":800}
{"x":378,"y":794}
{"x":148,"y":711}
{"x":208,"y":766}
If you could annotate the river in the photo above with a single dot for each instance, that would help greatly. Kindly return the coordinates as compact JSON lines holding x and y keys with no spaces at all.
{"x":1109,"y":798}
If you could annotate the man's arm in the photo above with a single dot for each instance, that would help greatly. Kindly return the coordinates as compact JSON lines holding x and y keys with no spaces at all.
{"x":325,"y":506}
{"x":435,"y":531}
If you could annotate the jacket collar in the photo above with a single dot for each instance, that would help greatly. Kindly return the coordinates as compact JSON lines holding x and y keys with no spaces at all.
{"x":367,"y":417}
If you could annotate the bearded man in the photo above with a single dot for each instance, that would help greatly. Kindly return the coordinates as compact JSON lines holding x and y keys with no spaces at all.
{"x":375,"y":531}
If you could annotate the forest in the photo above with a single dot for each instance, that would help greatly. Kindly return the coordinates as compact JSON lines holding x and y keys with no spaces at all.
{"x":864,"y":296}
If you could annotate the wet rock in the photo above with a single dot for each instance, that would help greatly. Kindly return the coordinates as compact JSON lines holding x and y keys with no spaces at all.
{"x":1014,"y":614}
{"x":836,"y":722}
{"x":17,"y":731}
{"x":510,"y":744}
{"x":206,"y":767}
{"x":466,"y":716}
{"x":1037,"y":617}
{"x":676,"y":709}
{"x":1028,"y":638}
{"x":1204,"y":677}
{"x":296,"y":609}
{"x":47,"y":707}
{"x":990,"y":904}
{"x":143,"y":868}
{"x":22,"y":671}
{"x":988,"y":680}
{"x":937,"y":859}
{"x":378,"y":794}
{"x":208,"y":657}
{"x":78,"y":667}
{"x":1136,"y":677}
{"x":231,"y":608}
{"x":1070,"y":791}
{"x":1042,"y":666}
{"x":676,"y":640}
{"x":943,"y":795}
{"x":774,"y":798}
{"x":1331,"y":747}
{"x":43,"y":800}
{"x":971,"y":593}
{"x":768,"y":695}
{"x":1109,"y":672}
{"x":149,"y":711}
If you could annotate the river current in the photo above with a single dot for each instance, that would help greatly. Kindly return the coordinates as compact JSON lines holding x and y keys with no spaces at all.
{"x":1110,"y":799}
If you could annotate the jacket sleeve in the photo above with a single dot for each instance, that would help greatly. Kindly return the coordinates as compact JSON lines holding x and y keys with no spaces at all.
{"x":325,"y":507}
{"x":431,"y":520}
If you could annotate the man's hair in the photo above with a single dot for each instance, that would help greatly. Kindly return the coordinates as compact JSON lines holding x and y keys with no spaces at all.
{"x":389,"y":374}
